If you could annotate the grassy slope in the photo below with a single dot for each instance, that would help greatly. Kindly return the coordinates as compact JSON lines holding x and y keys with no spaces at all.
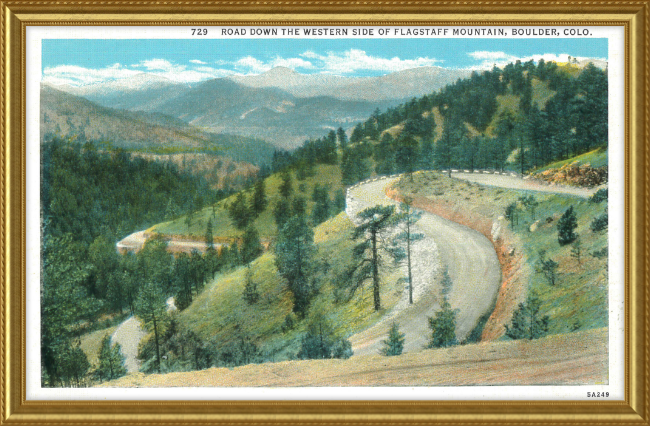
{"x":508,"y":101}
{"x":220,"y":312}
{"x":596,"y":158}
{"x":265,"y":223}
{"x":569,"y":359}
{"x":579,"y":300}
{"x":91,"y":343}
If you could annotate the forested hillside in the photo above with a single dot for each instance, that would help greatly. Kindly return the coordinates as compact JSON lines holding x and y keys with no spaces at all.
{"x":89,"y":200}
{"x":520,"y":117}
{"x":65,"y":115}
{"x":289,"y":282}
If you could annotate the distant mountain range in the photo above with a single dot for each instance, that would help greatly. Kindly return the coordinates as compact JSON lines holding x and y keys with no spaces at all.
{"x":280,"y":106}
{"x":69,"y":115}
{"x":398,"y":85}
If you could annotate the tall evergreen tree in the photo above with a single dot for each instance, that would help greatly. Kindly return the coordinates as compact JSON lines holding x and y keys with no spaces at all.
{"x":111,"y":361}
{"x":294,"y":254}
{"x":321,"y":211}
{"x":239,"y":213}
{"x":403,"y":241}
{"x":286,"y":187}
{"x":375,"y":221}
{"x":527,"y":322}
{"x":209,"y":238}
{"x":407,"y":155}
{"x":151,"y":308}
{"x":251,"y":246}
{"x":282,"y":213}
{"x":259,"y":198}
{"x":342,"y":137}
{"x":566,"y":227}
{"x":251,"y":294}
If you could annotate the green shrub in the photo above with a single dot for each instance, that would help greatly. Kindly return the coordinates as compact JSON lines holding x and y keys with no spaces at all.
{"x":394,"y":345}
{"x":599,"y":196}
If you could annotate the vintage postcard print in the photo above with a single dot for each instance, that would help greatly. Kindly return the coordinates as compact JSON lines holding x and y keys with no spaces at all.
{"x":325,"y":212}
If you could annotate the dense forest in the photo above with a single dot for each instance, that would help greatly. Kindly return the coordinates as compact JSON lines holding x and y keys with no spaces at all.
{"x":475,"y":134}
{"x":91,"y":198}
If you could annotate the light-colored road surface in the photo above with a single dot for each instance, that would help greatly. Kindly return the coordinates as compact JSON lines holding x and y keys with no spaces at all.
{"x":515,"y":182}
{"x":128,"y":335}
{"x":135,"y":242}
{"x":469,"y":257}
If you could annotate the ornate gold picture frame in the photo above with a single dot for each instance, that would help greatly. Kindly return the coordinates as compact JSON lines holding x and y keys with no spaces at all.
{"x":17,"y":16}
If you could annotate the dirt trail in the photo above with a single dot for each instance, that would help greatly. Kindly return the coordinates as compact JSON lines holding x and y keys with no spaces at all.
{"x":509,"y":181}
{"x":469,"y":257}
{"x":135,"y":242}
{"x":128,"y":335}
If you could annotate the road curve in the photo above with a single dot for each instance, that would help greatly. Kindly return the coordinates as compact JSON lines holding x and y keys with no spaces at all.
{"x":128,"y":335}
{"x":514,"y":181}
{"x":471,"y":262}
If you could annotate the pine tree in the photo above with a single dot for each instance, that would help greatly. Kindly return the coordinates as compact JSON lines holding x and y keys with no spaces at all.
{"x":548,"y":267}
{"x":512,"y":214}
{"x":394,"y":345}
{"x":209,"y":239}
{"x":527,"y":323}
{"x":321,"y":211}
{"x":111,"y":361}
{"x":445,"y":283}
{"x":527,"y":96}
{"x":251,"y":246}
{"x":282,"y":213}
{"x":286,"y":187}
{"x":406,"y":219}
{"x":240,"y":214}
{"x":443,"y":327}
{"x":259,"y":198}
{"x":251,"y":294}
{"x":566,"y":227}
{"x":357,"y":133}
{"x":294,"y":254}
{"x":576,"y":251}
{"x":342,"y":137}
{"x":151,"y":308}
{"x":339,"y":201}
{"x":375,"y":221}
{"x":407,"y":155}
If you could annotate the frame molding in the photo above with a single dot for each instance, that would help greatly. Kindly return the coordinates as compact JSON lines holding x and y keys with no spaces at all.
{"x":17,"y":15}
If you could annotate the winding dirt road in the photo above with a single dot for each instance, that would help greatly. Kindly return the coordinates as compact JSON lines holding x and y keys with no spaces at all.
{"x":135,"y":242}
{"x":468,"y":256}
{"x":128,"y":335}
{"x":510,"y":181}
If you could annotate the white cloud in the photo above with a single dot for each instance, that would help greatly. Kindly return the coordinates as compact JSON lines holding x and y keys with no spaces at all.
{"x":292,"y":63}
{"x":501,"y":59}
{"x":485,"y":55}
{"x":358,"y":60}
{"x":79,"y":76}
{"x":196,"y":70}
{"x":251,"y":65}
{"x":160,"y":65}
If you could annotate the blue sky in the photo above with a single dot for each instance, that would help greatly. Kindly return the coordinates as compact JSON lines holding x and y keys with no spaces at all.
{"x":79,"y":62}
